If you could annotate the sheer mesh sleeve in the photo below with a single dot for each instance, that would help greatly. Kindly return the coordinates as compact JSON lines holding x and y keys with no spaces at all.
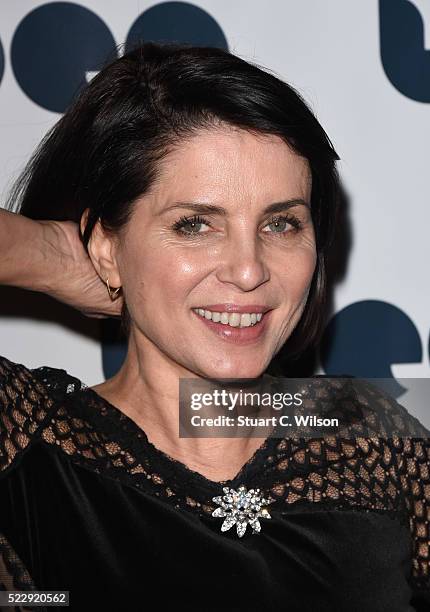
{"x":414,"y":465}
{"x":24,"y":405}
{"x":411,"y":446}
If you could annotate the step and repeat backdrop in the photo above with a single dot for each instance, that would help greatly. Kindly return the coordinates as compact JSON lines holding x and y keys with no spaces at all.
{"x":363,"y":67}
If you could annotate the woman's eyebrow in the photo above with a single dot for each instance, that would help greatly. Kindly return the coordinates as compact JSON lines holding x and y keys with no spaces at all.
{"x":219,"y":210}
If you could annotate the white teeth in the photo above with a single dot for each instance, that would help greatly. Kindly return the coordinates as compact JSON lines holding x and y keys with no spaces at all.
{"x":234,"y":319}
{"x":245,"y":320}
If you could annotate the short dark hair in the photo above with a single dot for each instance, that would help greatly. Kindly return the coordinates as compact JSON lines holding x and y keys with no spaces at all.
{"x":103,"y":153}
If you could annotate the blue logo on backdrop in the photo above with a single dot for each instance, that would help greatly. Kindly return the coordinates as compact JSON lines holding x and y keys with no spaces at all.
{"x":179,"y":22}
{"x":405,"y":60}
{"x":53,"y":49}
{"x":366,"y":338}
{"x":114,"y":351}
{"x":58,"y":45}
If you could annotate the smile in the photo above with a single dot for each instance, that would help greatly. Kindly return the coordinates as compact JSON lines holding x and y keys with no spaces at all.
{"x":241,"y":328}
{"x":232,"y":319}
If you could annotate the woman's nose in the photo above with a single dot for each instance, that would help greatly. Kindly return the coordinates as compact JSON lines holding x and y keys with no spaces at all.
{"x":243,"y":265}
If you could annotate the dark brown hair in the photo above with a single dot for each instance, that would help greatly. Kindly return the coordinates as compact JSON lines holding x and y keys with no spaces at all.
{"x":103,"y":153}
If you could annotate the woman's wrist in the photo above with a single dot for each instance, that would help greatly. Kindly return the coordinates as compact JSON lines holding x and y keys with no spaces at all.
{"x":28,"y":258}
{"x":49,"y":257}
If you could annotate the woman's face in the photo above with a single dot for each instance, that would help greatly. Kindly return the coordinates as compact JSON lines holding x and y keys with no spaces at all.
{"x":237,"y":255}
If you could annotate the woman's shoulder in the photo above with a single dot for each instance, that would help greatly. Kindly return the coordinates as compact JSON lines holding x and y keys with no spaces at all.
{"x":27,"y":400}
{"x":47,"y":380}
{"x":47,"y":406}
{"x":365,"y":405}
{"x":385,"y":415}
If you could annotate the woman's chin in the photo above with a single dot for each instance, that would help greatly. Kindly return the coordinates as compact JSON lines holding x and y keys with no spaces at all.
{"x":235,"y":371}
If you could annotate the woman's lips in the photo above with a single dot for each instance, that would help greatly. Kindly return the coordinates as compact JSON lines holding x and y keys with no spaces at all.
{"x":237,"y":335}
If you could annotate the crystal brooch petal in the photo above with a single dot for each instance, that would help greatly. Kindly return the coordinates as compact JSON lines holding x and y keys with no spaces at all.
{"x":241,"y":508}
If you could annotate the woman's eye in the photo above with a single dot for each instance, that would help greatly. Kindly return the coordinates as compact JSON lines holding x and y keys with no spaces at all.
{"x":190,"y":226}
{"x":193,"y":227}
{"x":279,"y":225}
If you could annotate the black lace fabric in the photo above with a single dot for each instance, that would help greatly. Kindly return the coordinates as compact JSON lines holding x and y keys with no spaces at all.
{"x":13,"y":573}
{"x":374,"y":474}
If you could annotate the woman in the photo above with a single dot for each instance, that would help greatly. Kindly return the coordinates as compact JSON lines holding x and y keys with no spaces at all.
{"x":198,"y":193}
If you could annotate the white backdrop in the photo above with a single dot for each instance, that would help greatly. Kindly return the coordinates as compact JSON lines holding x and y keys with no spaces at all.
{"x":333,"y":52}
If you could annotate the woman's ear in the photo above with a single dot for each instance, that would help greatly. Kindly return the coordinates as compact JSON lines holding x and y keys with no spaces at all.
{"x":102,"y":252}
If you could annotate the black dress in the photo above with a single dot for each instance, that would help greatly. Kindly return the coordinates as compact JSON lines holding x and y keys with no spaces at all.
{"x":89,"y":505}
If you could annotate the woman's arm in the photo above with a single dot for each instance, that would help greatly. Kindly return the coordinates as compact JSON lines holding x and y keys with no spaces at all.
{"x":49,"y":257}
{"x":26,"y":259}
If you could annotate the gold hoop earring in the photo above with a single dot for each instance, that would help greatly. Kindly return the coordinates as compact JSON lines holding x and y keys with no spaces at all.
{"x":112,"y":294}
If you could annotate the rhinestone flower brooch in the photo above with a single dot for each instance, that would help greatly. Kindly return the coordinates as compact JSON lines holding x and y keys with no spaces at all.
{"x":241,"y":507}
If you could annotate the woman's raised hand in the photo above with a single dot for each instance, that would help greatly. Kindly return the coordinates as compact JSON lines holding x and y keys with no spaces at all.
{"x":78,"y":285}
